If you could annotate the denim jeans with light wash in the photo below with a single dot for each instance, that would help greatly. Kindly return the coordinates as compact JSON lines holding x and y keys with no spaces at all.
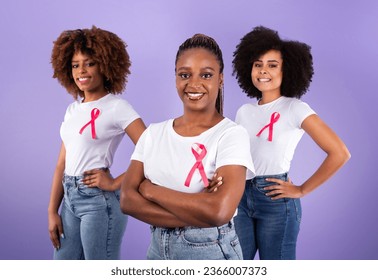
{"x":269,"y":226}
{"x":93,"y":223}
{"x":193,"y":243}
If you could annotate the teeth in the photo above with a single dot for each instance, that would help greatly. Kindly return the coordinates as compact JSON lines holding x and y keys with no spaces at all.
{"x":264,"y":80}
{"x":195,"y":96}
{"x":83,"y":79}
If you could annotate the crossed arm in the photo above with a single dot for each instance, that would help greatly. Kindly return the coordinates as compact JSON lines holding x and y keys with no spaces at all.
{"x":161,"y":206}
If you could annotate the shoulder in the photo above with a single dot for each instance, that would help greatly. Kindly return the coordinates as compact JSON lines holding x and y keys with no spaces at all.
{"x":297,"y":105}
{"x":292,"y":101}
{"x":246,"y":107}
{"x":116,"y":100}
{"x":160,"y":126}
{"x":231,"y":128}
{"x":73,"y":107}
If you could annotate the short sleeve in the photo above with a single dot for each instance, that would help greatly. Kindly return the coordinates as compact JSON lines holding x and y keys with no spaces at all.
{"x":299,"y":112}
{"x":124,"y":114}
{"x":234,"y":149}
{"x":139,"y":150}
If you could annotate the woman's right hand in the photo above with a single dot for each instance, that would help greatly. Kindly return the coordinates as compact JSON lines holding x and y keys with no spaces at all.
{"x":55,"y":229}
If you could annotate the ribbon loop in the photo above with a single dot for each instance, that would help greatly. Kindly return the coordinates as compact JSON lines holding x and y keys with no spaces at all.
{"x":273,"y":119}
{"x":94,"y":115}
{"x":199,"y":151}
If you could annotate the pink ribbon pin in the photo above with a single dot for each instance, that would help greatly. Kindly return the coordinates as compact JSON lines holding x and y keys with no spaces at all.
{"x":199,"y":152}
{"x":94,"y":115}
{"x":273,"y":119}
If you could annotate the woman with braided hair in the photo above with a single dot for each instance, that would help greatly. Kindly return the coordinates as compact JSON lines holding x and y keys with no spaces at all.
{"x":167,"y":183}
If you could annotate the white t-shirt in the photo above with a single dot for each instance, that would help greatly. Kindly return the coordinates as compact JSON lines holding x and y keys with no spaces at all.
{"x":94,"y":149}
{"x":285,"y":116}
{"x":168,"y":157}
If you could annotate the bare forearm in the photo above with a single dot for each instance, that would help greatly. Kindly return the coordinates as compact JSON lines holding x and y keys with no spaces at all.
{"x":196,"y":209}
{"x":118,"y":181}
{"x":56,"y":195}
{"x":133,"y":204}
{"x":331,"y":164}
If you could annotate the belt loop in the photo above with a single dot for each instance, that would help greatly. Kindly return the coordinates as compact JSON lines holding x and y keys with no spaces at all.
{"x":231,"y":223}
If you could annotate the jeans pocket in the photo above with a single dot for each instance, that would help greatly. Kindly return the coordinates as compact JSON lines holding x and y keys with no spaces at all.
{"x":200,"y":236}
{"x":87,"y":191}
{"x":235,"y":244}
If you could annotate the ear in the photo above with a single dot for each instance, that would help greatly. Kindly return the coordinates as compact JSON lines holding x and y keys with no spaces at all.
{"x":221,"y":77}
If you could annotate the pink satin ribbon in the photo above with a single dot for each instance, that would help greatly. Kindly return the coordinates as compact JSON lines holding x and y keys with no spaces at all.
{"x":94,"y":115}
{"x":273,"y":119}
{"x":199,"y":153}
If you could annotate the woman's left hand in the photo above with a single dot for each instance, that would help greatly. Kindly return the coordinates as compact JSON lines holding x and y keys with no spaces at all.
{"x":99,"y":178}
{"x":144,"y":188}
{"x":283,"y":189}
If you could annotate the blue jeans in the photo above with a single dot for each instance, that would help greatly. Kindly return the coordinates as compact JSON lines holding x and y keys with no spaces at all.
{"x":93,"y":223}
{"x":269,"y":226}
{"x":193,"y":243}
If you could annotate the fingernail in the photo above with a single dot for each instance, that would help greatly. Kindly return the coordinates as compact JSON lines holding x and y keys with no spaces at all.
{"x":62,"y":236}
{"x":220,"y":178}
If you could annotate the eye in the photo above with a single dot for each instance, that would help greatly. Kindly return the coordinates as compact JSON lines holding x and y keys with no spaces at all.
{"x":183,"y":76}
{"x":91,"y":63}
{"x":75,"y":66}
{"x":273,"y":65}
{"x":206,"y":75}
{"x":256,"y":65}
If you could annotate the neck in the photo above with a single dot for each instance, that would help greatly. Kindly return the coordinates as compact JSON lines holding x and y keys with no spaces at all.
{"x":194,"y":124}
{"x":268,"y":97}
{"x":93,"y":96}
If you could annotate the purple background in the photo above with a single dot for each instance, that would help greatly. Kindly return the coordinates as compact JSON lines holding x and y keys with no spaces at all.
{"x":339,"y":218}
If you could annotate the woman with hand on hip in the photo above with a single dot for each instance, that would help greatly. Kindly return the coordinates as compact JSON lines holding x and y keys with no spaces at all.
{"x":167,"y":183}
{"x":93,"y":65}
{"x":277,"y":73}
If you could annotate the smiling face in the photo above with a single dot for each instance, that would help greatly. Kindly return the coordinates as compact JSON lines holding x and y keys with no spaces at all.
{"x":198,"y":79}
{"x":267,"y":73}
{"x":86,"y":74}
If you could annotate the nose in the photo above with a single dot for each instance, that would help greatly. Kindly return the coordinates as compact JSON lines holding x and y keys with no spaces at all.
{"x":82,"y":69}
{"x":194,"y":82}
{"x":263,"y":71}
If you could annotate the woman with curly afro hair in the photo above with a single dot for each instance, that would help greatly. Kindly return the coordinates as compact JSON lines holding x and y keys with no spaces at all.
{"x":277,"y":73}
{"x":93,"y":66}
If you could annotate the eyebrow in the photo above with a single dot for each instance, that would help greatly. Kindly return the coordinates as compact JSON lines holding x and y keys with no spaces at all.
{"x":187,"y":68}
{"x":84,"y":60}
{"x":271,"y":60}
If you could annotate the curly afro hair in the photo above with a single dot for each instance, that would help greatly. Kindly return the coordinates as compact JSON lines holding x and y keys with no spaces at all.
{"x":297,"y":62}
{"x":104,"y":47}
{"x":208,"y":43}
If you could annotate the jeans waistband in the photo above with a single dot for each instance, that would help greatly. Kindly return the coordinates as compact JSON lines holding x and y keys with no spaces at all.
{"x":78,"y":177}
{"x":230,"y":224}
{"x":282,"y":176}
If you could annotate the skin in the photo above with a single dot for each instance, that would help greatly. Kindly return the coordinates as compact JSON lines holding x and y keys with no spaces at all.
{"x":87,"y":76}
{"x":198,"y":80}
{"x":266,"y":76}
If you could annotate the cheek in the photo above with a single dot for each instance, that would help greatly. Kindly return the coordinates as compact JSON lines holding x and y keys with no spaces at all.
{"x":254,"y":73}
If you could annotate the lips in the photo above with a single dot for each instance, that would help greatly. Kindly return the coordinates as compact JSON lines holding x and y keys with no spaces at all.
{"x":195,"y":95}
{"x":264,"y":80}
{"x":83,"y":80}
